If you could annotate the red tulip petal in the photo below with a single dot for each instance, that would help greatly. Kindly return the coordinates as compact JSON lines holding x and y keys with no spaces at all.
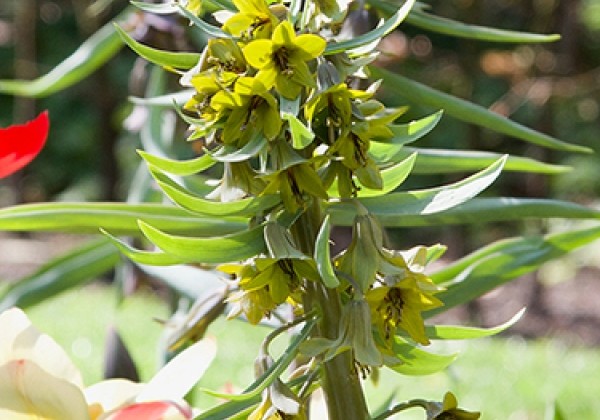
{"x":20,"y":144}
{"x":155,"y":410}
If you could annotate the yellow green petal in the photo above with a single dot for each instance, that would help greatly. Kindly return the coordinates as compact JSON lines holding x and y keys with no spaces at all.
{"x":309,"y":46}
{"x":259,"y":53}
{"x":284,"y":35}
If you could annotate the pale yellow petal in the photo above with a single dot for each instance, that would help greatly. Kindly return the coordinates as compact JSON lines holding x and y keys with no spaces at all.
{"x":258,"y":53}
{"x":21,"y":340}
{"x":112,"y":393}
{"x":29,"y":392}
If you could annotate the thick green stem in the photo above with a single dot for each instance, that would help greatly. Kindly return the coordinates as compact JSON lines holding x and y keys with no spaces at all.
{"x":341,"y":385}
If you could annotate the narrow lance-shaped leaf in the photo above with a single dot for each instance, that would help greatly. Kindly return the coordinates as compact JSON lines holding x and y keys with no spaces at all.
{"x":153,"y":258}
{"x":250,"y":206}
{"x":73,"y":269}
{"x":272,"y":373}
{"x":433,"y":23}
{"x":322,"y":255}
{"x":409,"y":132}
{"x":178,"y":167}
{"x":422,"y":202}
{"x":118,"y":218}
{"x":204,"y":26}
{"x":417,"y":362}
{"x":377,"y":33}
{"x":452,"y":332}
{"x":485,"y":210}
{"x":503,"y":261}
{"x":179,"y":60}
{"x":468,"y":111}
{"x":165,"y":101}
{"x":91,"y":54}
{"x":208,"y":250}
{"x":435,"y":161}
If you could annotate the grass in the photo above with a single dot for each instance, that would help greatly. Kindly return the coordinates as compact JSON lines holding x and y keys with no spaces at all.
{"x":503,"y":378}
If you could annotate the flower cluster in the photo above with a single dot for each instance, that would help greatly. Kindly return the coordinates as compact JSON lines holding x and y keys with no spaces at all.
{"x":287,"y":118}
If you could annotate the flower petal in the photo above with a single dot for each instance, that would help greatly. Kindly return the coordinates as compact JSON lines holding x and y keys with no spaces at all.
{"x":113,"y":393}
{"x":258,"y":53}
{"x":20,"y":144}
{"x":21,"y":340}
{"x":178,"y":376}
{"x":27,"y":391}
{"x":155,"y":410}
{"x":309,"y":46}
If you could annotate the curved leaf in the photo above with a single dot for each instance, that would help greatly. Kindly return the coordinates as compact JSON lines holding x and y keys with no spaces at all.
{"x":421,"y":19}
{"x":434,"y":161}
{"x":421,"y":202}
{"x":322,"y":255}
{"x":451,"y":332}
{"x":208,"y":250}
{"x":374,"y":35}
{"x":139,"y":256}
{"x":179,"y":60}
{"x":468,"y":111}
{"x":178,"y":167}
{"x":232,"y":153}
{"x":91,"y":54}
{"x":166,"y":101}
{"x":409,"y":132}
{"x":445,"y":26}
{"x":503,"y":261}
{"x":119,"y":218}
{"x":207,"y":28}
{"x":417,"y":362}
{"x":485,"y":210}
{"x":73,"y":269}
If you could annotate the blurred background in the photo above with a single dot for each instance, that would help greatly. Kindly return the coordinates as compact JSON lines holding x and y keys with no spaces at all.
{"x":553,"y":88}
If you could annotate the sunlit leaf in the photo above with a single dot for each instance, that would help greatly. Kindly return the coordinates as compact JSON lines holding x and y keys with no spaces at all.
{"x":452,"y":332}
{"x":207,"y":28}
{"x":117,"y":218}
{"x":322,"y":255}
{"x":422,"y":202}
{"x":503,"y":261}
{"x":179,"y":60}
{"x":209,"y":250}
{"x":377,"y":33}
{"x":434,"y":161}
{"x":178,"y":167}
{"x":468,"y":111}
{"x":409,"y":132}
{"x":417,"y":362}
{"x":302,"y":136}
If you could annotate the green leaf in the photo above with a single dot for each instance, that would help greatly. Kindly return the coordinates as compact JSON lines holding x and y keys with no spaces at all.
{"x":468,"y":111}
{"x":165,"y":101}
{"x":207,"y":28}
{"x":250,"y":206}
{"x":91,"y":54}
{"x":433,"y":161}
{"x":178,"y":60}
{"x":302,"y":136}
{"x":209,"y":250}
{"x":407,"y":133}
{"x":377,"y":33}
{"x":139,"y":256}
{"x":266,"y":379}
{"x":159,"y":9}
{"x":417,"y":362}
{"x":420,"y":202}
{"x":451,"y":332}
{"x":73,"y":269}
{"x":485,"y":210}
{"x":178,"y":167}
{"x":322,"y":255}
{"x":280,"y":243}
{"x":233,"y":153}
{"x":118,"y":218}
{"x":503,"y":261}
{"x":445,"y":26}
